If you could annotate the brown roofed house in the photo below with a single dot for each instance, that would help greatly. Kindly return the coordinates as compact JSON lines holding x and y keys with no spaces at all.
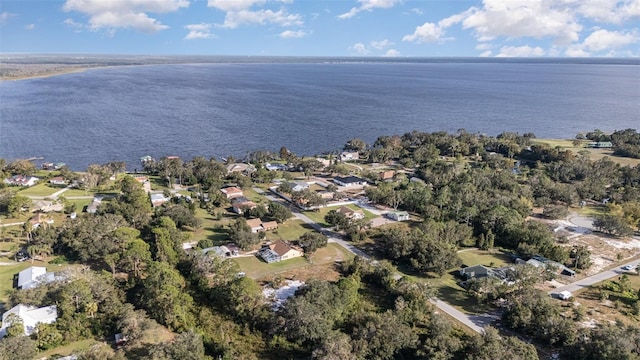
{"x":350,"y":213}
{"x":232,"y":192}
{"x":285,"y":250}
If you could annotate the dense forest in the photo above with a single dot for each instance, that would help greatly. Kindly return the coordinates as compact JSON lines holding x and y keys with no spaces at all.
{"x":468,"y":190}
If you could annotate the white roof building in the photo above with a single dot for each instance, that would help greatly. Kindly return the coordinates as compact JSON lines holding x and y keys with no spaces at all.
{"x":31,"y":317}
{"x":33,"y":277}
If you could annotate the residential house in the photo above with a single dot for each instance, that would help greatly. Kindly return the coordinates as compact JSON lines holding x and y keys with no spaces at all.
{"x":92,"y":208}
{"x":398,"y":215}
{"x":33,"y":277}
{"x":19,"y":180}
{"x":386,"y":175}
{"x":257,"y":225}
{"x":231,"y":192}
{"x":46,"y":206}
{"x":279,"y":251}
{"x":350,"y":213}
{"x":158,"y":199}
{"x":298,"y":186}
{"x":47,"y":166}
{"x":39,"y":219}
{"x":241,"y":204}
{"x":229,"y":250}
{"x":349,"y":181}
{"x":349,"y":155}
{"x":543,"y":262}
{"x":241,"y":168}
{"x":600,"y":145}
{"x":481,"y":271}
{"x":58,"y":180}
{"x":59,"y":165}
{"x":276,"y":167}
{"x":30,"y":316}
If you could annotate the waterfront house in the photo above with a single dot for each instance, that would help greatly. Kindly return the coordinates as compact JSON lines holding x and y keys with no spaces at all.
{"x":58,"y":180}
{"x":349,"y":155}
{"x":20,"y":180}
{"x":30,"y":316}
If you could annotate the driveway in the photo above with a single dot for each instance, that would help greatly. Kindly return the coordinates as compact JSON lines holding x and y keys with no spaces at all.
{"x":586,"y":282}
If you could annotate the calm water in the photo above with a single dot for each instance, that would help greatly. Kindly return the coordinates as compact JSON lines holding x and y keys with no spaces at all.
{"x":230,"y":109}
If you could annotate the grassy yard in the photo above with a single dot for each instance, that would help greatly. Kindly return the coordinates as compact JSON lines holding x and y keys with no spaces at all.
{"x":66,"y":350}
{"x":290,"y":230}
{"x":316,"y":264}
{"x":80,"y":203}
{"x":77,"y":192}
{"x":495,"y":258}
{"x":38,"y":190}
{"x":6,"y":277}
{"x":211,"y":228}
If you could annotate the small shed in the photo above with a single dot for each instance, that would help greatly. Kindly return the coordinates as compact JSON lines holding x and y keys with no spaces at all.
{"x":565,"y":295}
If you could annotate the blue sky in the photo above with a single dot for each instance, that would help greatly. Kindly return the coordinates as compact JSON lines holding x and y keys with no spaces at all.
{"x":554,"y":28}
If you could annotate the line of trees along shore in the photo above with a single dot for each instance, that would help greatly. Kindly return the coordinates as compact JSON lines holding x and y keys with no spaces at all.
{"x":473,"y":190}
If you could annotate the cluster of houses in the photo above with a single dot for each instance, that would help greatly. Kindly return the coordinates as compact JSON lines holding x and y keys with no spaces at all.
{"x":31,"y":316}
{"x":21,"y":180}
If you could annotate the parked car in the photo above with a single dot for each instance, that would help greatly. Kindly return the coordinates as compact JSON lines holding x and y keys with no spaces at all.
{"x":22,"y":256}
{"x":628,"y":267}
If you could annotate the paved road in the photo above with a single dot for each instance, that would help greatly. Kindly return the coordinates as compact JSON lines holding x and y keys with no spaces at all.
{"x":586,"y":282}
{"x":474,"y":322}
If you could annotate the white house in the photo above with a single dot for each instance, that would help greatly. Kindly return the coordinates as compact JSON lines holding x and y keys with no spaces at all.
{"x":349,"y":155}
{"x":398,"y":215}
{"x":34,"y":277}
{"x":31,"y":317}
{"x":58,"y":180}
{"x":19,"y":180}
{"x":349,"y":181}
{"x":299,"y":185}
{"x":158,"y":199}
{"x":93,"y":207}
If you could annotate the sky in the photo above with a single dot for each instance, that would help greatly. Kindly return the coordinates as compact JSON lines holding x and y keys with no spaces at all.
{"x":392,"y":28}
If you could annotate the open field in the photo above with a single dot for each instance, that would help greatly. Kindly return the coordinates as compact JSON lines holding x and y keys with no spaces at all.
{"x":319,"y":265}
{"x":290,"y":230}
{"x":595,"y":154}
{"x":494,"y":258}
{"x":39,"y":190}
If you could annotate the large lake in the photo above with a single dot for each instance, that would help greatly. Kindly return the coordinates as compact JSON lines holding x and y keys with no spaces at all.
{"x":215,"y":110}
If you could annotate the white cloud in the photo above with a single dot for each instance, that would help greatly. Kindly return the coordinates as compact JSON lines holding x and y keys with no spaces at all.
{"x":368,"y":5}
{"x":603,"y":40}
{"x":113,"y":15}
{"x":379,"y":45}
{"x":523,"y":18}
{"x":233,"y":5}
{"x":199,"y":31}
{"x":239,"y":12}
{"x":427,"y":32}
{"x":417,"y":11}
{"x":608,"y":11}
{"x":75,"y":25}
{"x":484,"y":46}
{"x":292,"y":34}
{"x":520,"y":51}
{"x":281,"y":17}
{"x":392,"y":53}
{"x":30,"y":26}
{"x":600,"y":40}
{"x":359,"y":48}
{"x":5,"y":15}
{"x":486,"y":53}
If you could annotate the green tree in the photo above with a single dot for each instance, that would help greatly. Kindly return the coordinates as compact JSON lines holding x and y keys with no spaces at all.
{"x":17,"y":348}
{"x":312,"y":241}
{"x":18,"y":205}
{"x":279,"y":212}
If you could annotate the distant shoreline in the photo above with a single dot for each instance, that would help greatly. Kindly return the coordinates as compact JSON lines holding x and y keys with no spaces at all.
{"x":46,"y":73}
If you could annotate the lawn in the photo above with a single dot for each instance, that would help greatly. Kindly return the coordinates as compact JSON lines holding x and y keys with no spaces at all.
{"x":38,"y":190}
{"x":66,"y":350}
{"x":290,"y":230}
{"x":256,"y":268}
{"x":77,"y":192}
{"x":211,"y":228}
{"x":80,"y":203}
{"x":494,"y":258}
{"x":318,"y":216}
{"x":6,"y":278}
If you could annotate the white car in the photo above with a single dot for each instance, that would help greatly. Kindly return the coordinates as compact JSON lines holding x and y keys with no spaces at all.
{"x":628,"y":267}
